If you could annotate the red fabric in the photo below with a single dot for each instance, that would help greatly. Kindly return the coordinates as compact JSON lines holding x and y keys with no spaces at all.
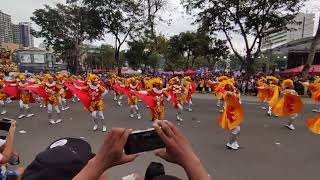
{"x":37,"y":90}
{"x":78,"y":83}
{"x":193,"y":90}
{"x":11,"y":91}
{"x":149,"y":100}
{"x":69,"y":94}
{"x":82,"y":95}
{"x":173,"y":99}
{"x":121,"y":89}
{"x":314,"y":70}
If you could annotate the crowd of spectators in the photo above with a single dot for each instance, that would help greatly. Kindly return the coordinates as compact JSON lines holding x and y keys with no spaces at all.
{"x":71,"y":158}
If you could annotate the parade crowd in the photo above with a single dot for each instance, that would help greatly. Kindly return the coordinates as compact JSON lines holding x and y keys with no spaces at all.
{"x":55,"y":91}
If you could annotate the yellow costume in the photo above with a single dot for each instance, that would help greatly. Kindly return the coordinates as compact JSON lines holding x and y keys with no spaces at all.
{"x":290,"y":103}
{"x":314,"y":124}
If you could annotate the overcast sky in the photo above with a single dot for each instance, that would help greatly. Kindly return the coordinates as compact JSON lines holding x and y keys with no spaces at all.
{"x":21,"y":10}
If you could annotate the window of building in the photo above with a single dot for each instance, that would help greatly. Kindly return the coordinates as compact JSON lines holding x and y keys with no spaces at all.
{"x":38,"y":58}
{"x":25,"y":58}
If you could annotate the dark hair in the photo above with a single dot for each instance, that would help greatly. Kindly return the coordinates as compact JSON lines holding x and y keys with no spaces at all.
{"x":154,"y":170}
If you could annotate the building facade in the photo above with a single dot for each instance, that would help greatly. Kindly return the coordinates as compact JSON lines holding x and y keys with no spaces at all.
{"x":16,"y":34}
{"x":37,"y":60}
{"x":26,"y":39}
{"x":5,"y":28}
{"x":302,"y":29}
{"x":19,"y":34}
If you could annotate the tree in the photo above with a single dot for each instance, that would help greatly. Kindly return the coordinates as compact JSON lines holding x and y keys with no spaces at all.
{"x":312,"y":52}
{"x":136,"y":55}
{"x":195,"y":46}
{"x":64,"y":31}
{"x":121,"y":18}
{"x":248,"y":18}
{"x":153,"y":7}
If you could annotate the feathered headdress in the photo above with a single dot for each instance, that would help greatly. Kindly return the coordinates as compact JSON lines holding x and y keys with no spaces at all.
{"x":187,"y":78}
{"x":155,"y":81}
{"x":92,"y":77}
{"x":273,"y":79}
{"x":287,"y":83}
{"x":222,"y":78}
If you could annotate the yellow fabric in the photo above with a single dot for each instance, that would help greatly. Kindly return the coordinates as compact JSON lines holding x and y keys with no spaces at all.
{"x":314,"y":124}
{"x":25,"y":97}
{"x":288,"y":105}
{"x":272,"y":78}
{"x":3,"y":96}
{"x":262,"y":90}
{"x":133,"y":100}
{"x":273,"y":95}
{"x":314,"y":89}
{"x":232,"y":115}
{"x":96,"y":105}
{"x":53,"y":100}
{"x":158,"y":113}
{"x":287,"y":83}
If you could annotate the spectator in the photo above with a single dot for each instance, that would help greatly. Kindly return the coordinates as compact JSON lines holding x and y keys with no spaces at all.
{"x":8,"y":155}
{"x":178,"y":150}
{"x":244,"y":87}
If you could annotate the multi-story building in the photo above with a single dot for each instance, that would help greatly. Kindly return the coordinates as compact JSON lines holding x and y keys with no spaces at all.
{"x":26,"y":39}
{"x":5,"y":28}
{"x":302,"y":29}
{"x":16,"y":34}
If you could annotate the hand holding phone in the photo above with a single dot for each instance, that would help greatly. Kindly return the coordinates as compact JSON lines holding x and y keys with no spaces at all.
{"x":5,"y":124}
{"x":141,"y":141}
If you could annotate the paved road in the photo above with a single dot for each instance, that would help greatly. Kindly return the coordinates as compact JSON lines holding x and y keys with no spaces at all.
{"x":269,"y":151}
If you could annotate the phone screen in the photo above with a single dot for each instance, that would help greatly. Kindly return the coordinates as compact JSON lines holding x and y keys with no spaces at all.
{"x":5,"y":124}
{"x":142,"y":141}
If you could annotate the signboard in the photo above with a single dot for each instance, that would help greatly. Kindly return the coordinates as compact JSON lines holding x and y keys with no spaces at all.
{"x":25,"y":58}
{"x":38,"y":58}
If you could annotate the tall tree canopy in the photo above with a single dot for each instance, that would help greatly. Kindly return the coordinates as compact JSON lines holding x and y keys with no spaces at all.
{"x":65,"y":27}
{"x":248,"y":18}
{"x":121,"y":19}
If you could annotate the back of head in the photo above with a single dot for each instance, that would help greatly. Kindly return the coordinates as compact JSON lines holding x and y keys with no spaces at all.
{"x":154,"y":170}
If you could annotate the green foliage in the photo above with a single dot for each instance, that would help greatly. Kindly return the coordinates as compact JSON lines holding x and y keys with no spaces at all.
{"x":99,"y":57}
{"x":136,"y":56}
{"x":121,"y":18}
{"x":247,"y":18}
{"x":64,"y":31}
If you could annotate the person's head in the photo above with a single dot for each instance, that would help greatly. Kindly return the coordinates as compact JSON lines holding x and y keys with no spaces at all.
{"x":63,"y":159}
{"x":50,"y":80}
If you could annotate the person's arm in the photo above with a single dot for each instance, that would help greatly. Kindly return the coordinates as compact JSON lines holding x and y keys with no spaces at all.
{"x":8,"y":149}
{"x":179,"y":151}
{"x":110,"y":154}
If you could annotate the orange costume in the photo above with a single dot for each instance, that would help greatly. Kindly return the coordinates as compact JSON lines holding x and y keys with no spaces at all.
{"x":93,"y":94}
{"x":272,"y":91}
{"x":158,"y":94}
{"x":177,"y":93}
{"x":314,"y":124}
{"x":25,"y":97}
{"x":289,"y":105}
{"x":232,"y":115}
{"x":132,"y":86}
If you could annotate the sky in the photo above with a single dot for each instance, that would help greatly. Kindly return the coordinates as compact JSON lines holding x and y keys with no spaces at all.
{"x":21,"y":11}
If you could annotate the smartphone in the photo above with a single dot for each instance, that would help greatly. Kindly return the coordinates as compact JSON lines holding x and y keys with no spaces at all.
{"x":5,"y":124}
{"x":142,"y":141}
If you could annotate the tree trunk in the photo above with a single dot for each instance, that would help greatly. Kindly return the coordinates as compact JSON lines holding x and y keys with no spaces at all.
{"x":312,"y":53}
{"x":249,"y":65}
{"x":117,"y":58}
{"x":187,"y":63}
